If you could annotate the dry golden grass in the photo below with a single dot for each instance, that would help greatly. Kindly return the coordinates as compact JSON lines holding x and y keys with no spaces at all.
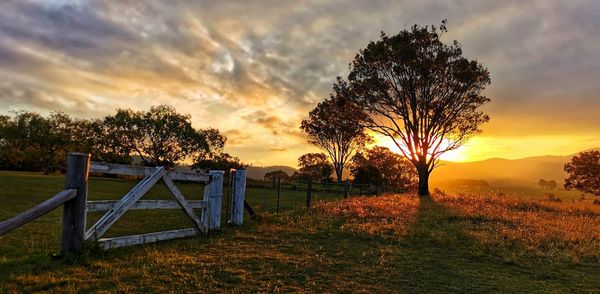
{"x":393,"y":243}
{"x":544,"y":228}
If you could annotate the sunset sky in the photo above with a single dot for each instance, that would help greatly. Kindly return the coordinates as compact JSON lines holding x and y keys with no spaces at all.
{"x":253,"y":69}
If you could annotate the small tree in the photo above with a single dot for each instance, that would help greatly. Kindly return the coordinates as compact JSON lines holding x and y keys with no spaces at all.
{"x":334,"y":126}
{"x":419,"y":92}
{"x":314,"y":166}
{"x":276,"y":174}
{"x":584,"y":172}
{"x":550,"y":184}
{"x":222,"y":161}
{"x":384,"y":167}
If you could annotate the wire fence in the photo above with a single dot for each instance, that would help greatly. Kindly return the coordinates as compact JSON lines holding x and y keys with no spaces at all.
{"x":278,"y":195}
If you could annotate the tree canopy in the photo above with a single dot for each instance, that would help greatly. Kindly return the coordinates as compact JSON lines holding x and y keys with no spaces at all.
{"x":584,"y":172}
{"x":159,"y":136}
{"x":219,"y":161}
{"x":380,"y":166}
{"x":314,"y":166}
{"x":419,"y":92}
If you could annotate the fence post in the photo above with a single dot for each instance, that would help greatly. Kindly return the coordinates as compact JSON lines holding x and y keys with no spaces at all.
{"x":74,"y":210}
{"x":278,"y":192}
{"x":215,"y":198}
{"x":308,"y":194}
{"x":237,"y":203}
{"x":346,"y":189}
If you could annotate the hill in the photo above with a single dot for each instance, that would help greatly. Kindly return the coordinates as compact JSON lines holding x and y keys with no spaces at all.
{"x":258,"y":172}
{"x":525,"y":170}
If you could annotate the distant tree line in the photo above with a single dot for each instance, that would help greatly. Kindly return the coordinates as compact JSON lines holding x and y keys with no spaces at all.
{"x":158,"y":137}
{"x":377,"y":166}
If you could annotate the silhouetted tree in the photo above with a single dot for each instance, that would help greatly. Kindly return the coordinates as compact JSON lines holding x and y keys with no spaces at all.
{"x":222,"y":161}
{"x":314,"y":166}
{"x":384,"y":167}
{"x":277,"y":174}
{"x":334,"y":126}
{"x":419,"y":92}
{"x":550,"y":184}
{"x":29,"y":141}
{"x":161,"y":136}
{"x":584,"y":172}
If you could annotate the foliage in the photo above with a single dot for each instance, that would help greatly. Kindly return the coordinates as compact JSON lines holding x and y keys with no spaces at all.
{"x":584,"y":172}
{"x":160,"y":136}
{"x":334,"y":126}
{"x":163,"y":137}
{"x":277,"y":174}
{"x":420,"y":92}
{"x":31,"y":142}
{"x":221,"y":161}
{"x":550,"y":185}
{"x":380,"y":166}
{"x":314,"y":166}
{"x":366,"y":173}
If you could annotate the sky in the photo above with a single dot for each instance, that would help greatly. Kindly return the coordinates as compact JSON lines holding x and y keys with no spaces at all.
{"x":254,"y":69}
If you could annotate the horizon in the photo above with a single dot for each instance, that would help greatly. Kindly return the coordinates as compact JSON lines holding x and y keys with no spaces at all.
{"x":255,"y":78}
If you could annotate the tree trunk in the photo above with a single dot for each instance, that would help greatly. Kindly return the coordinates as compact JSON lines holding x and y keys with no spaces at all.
{"x":423,"y":180}
{"x":339,"y":169}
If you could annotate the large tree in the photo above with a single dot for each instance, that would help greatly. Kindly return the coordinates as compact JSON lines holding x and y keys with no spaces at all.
{"x":161,"y":136}
{"x":334,"y":126}
{"x":421,"y":93}
{"x":584,"y":172}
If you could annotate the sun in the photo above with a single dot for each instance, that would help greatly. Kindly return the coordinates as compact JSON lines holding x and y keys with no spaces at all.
{"x":457,"y":155}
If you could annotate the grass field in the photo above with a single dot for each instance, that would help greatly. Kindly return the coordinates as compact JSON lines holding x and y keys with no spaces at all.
{"x":464,"y":243}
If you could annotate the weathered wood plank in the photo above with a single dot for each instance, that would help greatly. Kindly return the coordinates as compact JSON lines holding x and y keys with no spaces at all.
{"x":73,"y":231}
{"x":41,"y":209}
{"x":205,"y":216}
{"x":106,"y":205}
{"x":183,"y":203}
{"x":215,"y":189}
{"x":108,"y":243}
{"x":237,"y":201}
{"x":107,"y":220}
{"x":131,"y":170}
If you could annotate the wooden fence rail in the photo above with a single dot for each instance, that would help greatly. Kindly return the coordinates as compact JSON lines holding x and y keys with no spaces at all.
{"x":41,"y":209}
{"x":106,"y":205}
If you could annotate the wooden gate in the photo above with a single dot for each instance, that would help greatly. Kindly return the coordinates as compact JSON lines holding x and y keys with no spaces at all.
{"x":76,"y":206}
{"x":209,"y":218}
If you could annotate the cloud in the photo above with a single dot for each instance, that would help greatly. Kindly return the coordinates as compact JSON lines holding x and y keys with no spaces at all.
{"x":230,"y":64}
{"x":236,"y":137}
{"x":279,"y":148}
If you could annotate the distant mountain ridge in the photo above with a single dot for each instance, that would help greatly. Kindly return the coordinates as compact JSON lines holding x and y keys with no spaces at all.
{"x":528,"y":169}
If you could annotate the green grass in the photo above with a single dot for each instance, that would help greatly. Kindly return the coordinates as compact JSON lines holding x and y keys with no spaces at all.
{"x":292,"y":251}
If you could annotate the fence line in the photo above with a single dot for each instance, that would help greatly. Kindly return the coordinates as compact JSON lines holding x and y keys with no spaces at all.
{"x":288,"y":194}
